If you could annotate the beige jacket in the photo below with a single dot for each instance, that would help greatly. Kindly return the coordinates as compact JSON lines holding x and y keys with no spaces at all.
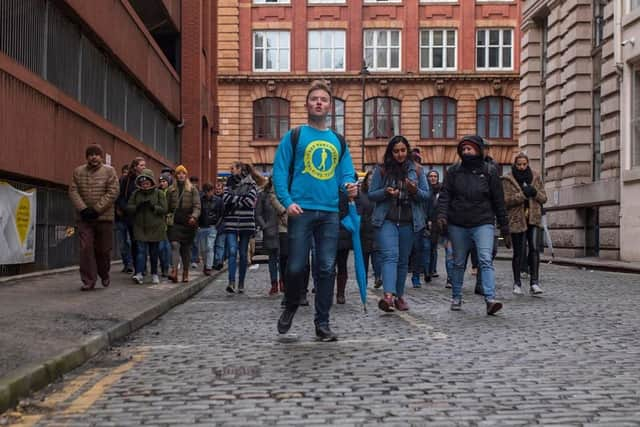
{"x":514,"y":200}
{"x":95,"y":188}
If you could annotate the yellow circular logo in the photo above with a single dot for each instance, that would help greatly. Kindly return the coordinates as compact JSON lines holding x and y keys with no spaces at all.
{"x":320,"y":160}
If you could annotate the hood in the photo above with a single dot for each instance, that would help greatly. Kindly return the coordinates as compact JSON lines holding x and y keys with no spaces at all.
{"x":475,"y":140}
{"x":148,"y":174}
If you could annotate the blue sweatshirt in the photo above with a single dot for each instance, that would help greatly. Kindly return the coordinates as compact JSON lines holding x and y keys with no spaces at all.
{"x":318,"y":171}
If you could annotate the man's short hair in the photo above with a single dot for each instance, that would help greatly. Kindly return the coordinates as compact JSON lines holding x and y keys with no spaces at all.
{"x":94,"y":149}
{"x":319,"y":85}
{"x":207,"y":186}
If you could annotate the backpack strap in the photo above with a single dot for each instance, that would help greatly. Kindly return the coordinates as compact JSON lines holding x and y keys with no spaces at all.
{"x":295,"y":136}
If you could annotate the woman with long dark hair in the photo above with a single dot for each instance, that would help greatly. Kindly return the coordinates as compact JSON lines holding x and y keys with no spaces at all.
{"x":399,"y":192}
{"x":524,"y":196}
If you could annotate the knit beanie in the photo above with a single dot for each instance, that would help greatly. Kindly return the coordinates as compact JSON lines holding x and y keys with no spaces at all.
{"x":182,"y":168}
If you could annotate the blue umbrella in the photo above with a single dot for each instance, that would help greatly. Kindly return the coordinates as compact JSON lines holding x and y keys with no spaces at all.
{"x":352,"y":223}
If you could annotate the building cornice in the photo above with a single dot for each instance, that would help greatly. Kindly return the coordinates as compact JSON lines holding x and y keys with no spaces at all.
{"x":357,"y":78}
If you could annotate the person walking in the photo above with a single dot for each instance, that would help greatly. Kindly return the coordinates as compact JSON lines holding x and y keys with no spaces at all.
{"x":433,"y":177}
{"x":164,"y":247}
{"x":344,"y":246}
{"x":420,"y":256}
{"x":365,"y":207}
{"x":240,"y":198}
{"x":148,"y":208}
{"x":267,"y":219}
{"x":122,"y":230}
{"x":184,"y":210}
{"x":211,"y":207}
{"x":524,"y":196}
{"x":470,"y":202}
{"x":125,"y":222}
{"x":312,"y":164}
{"x":400,"y":191}
{"x":93,"y":191}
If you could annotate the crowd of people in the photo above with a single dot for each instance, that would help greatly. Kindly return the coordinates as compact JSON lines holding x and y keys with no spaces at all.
{"x":407,"y":212}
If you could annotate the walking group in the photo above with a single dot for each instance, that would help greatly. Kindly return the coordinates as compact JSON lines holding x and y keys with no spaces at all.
{"x":406,"y":213}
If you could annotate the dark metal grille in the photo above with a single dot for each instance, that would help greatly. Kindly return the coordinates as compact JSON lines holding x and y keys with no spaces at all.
{"x":63,"y":45}
{"x":92,"y":78}
{"x":134,"y":112}
{"x":22,"y":36}
{"x":116,"y":96}
{"x":148,"y":124}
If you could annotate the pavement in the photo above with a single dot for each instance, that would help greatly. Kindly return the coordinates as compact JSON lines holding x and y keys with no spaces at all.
{"x":48,"y":326}
{"x":570,"y":357}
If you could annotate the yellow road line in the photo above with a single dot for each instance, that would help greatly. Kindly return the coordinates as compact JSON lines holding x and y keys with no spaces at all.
{"x":87,"y":399}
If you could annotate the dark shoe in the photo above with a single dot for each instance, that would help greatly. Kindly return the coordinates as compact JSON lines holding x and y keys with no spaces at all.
{"x":127,"y":269}
{"x":386,"y":303}
{"x":106,"y":283}
{"x":87,"y":287}
{"x":240,"y":288}
{"x":448,"y":285}
{"x":456,"y":304}
{"x":377,"y":284}
{"x":218,"y":266}
{"x":274,"y":288}
{"x":231,"y":288}
{"x":340,"y":299}
{"x":285,"y":320}
{"x":281,"y":286}
{"x":173,"y":275}
{"x":434,"y":275}
{"x":427,"y":278}
{"x":283,"y":303}
{"x":207,"y":272}
{"x":493,"y":307}
{"x":478,"y":290}
{"x":325,"y":334}
{"x":304,"y":301}
{"x":401,"y":304}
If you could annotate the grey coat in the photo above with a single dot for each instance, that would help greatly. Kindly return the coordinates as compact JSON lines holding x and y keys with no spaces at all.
{"x":267,"y":219}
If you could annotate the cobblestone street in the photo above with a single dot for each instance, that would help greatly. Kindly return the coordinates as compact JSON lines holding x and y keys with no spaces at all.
{"x":570,"y":357}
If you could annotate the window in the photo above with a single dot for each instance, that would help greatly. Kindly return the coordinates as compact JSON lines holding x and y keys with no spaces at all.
{"x":438,"y":118}
{"x":598,"y":22}
{"x":326,"y":50}
{"x":271,"y":51}
{"x":270,"y":118}
{"x":335,"y":120}
{"x":595,"y":126}
{"x":438,"y":50}
{"x":382,"y":49}
{"x":383,"y":1}
{"x":635,"y":117}
{"x":381,"y":118}
{"x":634,"y":4}
{"x":271,"y":1}
{"x":494,"y":49}
{"x":495,"y":117}
{"x":326,"y":1}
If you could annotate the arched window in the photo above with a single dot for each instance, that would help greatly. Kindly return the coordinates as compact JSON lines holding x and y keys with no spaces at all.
{"x":438,"y":118}
{"x":335,"y":120}
{"x":495,"y":117}
{"x":270,"y":118}
{"x":381,"y":117}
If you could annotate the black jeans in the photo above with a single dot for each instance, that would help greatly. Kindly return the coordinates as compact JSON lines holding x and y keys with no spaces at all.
{"x":521,"y":242}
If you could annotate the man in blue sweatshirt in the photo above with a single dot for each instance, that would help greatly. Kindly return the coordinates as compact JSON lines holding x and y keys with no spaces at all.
{"x":308,"y":172}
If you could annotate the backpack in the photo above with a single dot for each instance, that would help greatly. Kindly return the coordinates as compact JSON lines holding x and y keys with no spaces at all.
{"x":295,"y":135}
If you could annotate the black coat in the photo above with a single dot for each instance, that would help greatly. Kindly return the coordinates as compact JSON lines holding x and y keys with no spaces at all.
{"x":344,"y":238}
{"x":472,"y":197}
{"x":367,"y":230}
{"x":211,"y":211}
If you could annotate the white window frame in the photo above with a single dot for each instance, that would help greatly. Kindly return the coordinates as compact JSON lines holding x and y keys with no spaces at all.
{"x":444,"y":48}
{"x":332,"y":48}
{"x":277,"y":48}
{"x":501,"y":46}
{"x":311,"y":2}
{"x":271,"y":1}
{"x":438,"y":1}
{"x":382,"y":1}
{"x":376,"y":32}
{"x":634,"y":119}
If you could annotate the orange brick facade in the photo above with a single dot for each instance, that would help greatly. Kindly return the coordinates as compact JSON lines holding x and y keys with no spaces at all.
{"x":240,"y":85}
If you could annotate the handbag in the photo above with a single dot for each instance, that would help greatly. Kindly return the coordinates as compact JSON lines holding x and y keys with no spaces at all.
{"x":169,"y":218}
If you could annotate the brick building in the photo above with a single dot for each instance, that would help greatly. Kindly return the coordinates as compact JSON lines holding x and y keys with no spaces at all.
{"x":135,"y":76}
{"x":579,"y":111}
{"x":435,"y":71}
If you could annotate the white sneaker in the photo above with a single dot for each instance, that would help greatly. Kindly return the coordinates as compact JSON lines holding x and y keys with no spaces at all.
{"x":138,"y":278}
{"x":155,"y":279}
{"x":536,"y":289}
{"x":194,"y":265}
{"x":517,"y":289}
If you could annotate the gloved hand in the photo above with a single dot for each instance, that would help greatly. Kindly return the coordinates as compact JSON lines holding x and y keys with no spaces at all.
{"x":89,"y":214}
{"x":529,"y":191}
{"x":192,"y":222}
{"x":506,"y":236}
{"x":442,"y":225}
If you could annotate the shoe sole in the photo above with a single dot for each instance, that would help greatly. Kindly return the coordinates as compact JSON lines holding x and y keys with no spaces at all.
{"x":326,"y":339}
{"x":456,"y":307}
{"x":384,"y":306}
{"x":494,"y":309}
{"x":230,"y":290}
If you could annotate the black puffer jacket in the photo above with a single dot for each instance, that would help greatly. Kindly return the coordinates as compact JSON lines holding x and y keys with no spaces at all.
{"x":472,"y":197}
{"x":344,"y":238}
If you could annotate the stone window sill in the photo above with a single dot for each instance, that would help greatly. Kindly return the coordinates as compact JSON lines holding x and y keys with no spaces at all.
{"x":632,"y":175}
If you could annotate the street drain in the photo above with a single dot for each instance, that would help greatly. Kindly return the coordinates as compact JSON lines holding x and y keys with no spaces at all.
{"x":236,"y":372}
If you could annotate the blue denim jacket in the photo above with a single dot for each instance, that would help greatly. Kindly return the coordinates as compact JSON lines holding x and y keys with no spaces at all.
{"x":419,"y":201}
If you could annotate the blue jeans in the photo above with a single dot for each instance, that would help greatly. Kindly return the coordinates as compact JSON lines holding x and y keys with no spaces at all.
{"x":141,"y":256}
{"x":124,"y":243}
{"x":194,"y":249}
{"x":274,"y":259}
{"x":395,"y":242}
{"x":164,"y":252}
{"x":422,"y":248}
{"x":323,"y":228}
{"x":448,"y":256}
{"x":206,"y":239}
{"x":220,"y":248}
{"x":462,"y":239}
{"x":237,"y":242}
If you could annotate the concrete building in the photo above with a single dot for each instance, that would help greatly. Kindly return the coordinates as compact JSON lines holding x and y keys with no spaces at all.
{"x":576,"y":121}
{"x":434,"y":71}
{"x":135,"y":76}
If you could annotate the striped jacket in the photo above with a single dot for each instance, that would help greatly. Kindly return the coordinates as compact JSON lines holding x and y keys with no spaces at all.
{"x":240,"y":206}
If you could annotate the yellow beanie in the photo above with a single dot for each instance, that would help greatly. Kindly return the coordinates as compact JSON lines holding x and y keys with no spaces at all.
{"x":182,"y":168}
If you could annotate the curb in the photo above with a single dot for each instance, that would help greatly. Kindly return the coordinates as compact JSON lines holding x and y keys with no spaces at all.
{"x":32,"y":377}
{"x":614,"y":266}
{"x":41,"y":273}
